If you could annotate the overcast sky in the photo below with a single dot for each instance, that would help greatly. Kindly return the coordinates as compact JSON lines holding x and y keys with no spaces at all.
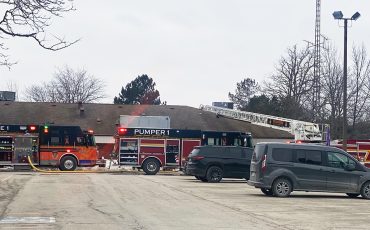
{"x":195,"y":50}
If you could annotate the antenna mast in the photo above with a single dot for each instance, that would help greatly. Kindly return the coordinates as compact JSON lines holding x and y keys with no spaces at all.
{"x":317,"y":60}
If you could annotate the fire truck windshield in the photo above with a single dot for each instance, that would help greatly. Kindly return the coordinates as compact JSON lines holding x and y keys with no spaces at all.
{"x":90,"y":140}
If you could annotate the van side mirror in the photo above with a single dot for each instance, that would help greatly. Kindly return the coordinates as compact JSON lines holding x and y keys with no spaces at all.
{"x":349,"y":167}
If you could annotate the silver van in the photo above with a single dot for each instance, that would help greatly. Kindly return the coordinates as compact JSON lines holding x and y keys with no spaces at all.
{"x":279,"y":169}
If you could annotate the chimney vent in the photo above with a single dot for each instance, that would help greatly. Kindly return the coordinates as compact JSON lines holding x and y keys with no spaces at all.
{"x":81,"y":108}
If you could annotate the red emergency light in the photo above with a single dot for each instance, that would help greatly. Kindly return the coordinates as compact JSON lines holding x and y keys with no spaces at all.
{"x":32,"y":128}
{"x":90,"y":131}
{"x":122,"y":131}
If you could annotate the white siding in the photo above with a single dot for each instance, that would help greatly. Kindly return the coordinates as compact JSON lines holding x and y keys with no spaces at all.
{"x":104,"y":139}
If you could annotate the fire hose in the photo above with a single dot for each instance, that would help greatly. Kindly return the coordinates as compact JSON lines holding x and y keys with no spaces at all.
{"x":47,"y":171}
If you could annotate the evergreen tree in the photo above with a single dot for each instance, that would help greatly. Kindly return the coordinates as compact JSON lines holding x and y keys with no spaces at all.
{"x":139,"y":91}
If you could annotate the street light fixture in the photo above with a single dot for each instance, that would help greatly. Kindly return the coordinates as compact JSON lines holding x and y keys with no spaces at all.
{"x":339,"y":16}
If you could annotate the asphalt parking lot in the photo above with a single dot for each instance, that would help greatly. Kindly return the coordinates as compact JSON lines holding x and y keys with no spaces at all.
{"x":120,"y":201}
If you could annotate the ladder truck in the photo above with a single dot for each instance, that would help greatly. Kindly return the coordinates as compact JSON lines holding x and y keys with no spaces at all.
{"x":303,"y":131}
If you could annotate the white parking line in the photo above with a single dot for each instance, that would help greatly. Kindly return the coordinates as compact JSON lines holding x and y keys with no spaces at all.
{"x":27,"y":220}
{"x":6,"y":178}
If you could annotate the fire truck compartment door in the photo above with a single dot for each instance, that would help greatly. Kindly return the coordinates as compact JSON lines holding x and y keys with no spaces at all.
{"x":25,"y":146}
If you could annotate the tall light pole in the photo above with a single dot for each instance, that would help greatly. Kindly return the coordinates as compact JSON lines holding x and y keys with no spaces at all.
{"x":339,"y":16}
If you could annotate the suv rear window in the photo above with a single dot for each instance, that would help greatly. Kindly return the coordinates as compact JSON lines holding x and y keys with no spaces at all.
{"x":282,"y":154}
{"x":194,"y":152}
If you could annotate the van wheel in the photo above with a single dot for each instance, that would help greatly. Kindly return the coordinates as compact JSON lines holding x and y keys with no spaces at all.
{"x":151,"y":166}
{"x":214,"y":174}
{"x":353,"y":195}
{"x":267,"y":192}
{"x":68,"y":163}
{"x":365,"y":190}
{"x":281,"y":187}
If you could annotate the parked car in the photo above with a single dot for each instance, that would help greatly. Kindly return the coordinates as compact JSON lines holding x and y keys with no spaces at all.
{"x":278,"y":169}
{"x":212,"y":163}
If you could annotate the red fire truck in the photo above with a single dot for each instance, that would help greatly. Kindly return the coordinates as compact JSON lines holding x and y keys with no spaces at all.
{"x":151,"y":149}
{"x":47,"y":145}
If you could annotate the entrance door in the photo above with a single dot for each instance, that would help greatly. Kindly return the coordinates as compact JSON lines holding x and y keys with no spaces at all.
{"x":25,"y":146}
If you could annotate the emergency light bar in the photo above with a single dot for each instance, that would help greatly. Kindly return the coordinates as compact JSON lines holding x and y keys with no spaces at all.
{"x":122,"y":130}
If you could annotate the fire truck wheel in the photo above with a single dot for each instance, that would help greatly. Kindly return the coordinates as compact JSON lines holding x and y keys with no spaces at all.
{"x":365,"y":190}
{"x":68,"y":163}
{"x":214,"y":174}
{"x":151,"y":166}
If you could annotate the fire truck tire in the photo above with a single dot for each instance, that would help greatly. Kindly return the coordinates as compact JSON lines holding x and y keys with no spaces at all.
{"x":214,"y":174}
{"x":151,"y":166}
{"x":365,"y":190}
{"x":68,"y":163}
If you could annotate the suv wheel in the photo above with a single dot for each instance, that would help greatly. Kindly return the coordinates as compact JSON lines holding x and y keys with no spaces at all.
{"x":281,"y":187}
{"x":267,"y":192}
{"x":214,"y":174}
{"x":365,"y":190}
{"x":353,"y":195}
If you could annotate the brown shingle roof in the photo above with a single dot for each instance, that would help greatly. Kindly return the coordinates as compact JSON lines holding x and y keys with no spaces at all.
{"x":102,"y":118}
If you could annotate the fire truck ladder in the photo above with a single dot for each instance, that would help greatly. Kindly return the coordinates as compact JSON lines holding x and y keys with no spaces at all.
{"x":300,"y":129}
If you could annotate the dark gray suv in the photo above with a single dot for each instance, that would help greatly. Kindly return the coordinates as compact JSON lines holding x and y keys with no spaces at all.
{"x":278,"y":169}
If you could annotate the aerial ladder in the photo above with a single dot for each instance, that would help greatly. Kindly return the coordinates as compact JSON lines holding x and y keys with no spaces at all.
{"x":302,"y":130}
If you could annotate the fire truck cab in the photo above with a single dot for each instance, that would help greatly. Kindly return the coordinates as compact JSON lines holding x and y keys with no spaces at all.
{"x":150,"y":149}
{"x":47,"y":145}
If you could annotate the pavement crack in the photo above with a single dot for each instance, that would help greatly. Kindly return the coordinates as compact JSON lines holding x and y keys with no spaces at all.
{"x":9,"y":190}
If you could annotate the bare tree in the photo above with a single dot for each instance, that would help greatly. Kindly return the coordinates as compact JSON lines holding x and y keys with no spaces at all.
{"x":332,"y":89}
{"x":359,"y":79}
{"x":29,"y":19}
{"x":68,"y":86}
{"x":292,"y":81}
